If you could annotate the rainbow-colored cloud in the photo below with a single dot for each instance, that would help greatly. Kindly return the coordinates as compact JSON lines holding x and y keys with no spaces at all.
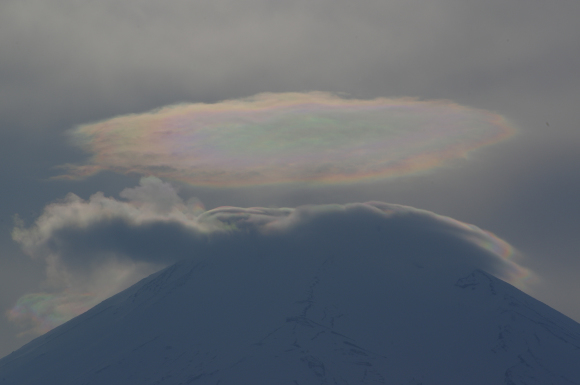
{"x":44,"y":311}
{"x":286,"y":137}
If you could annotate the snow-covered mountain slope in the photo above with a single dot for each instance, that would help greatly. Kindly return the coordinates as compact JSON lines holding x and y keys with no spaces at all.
{"x":335,"y":320}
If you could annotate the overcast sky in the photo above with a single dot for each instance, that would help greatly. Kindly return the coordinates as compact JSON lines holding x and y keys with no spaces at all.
{"x":72,"y":62}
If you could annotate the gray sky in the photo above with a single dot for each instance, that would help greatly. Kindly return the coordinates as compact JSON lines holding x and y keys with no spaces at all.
{"x":71,"y":62}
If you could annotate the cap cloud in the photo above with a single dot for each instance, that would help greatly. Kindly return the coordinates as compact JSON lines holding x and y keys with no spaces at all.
{"x":89,"y":244}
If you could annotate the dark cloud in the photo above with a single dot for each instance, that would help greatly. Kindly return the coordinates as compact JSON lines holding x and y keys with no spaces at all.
{"x":88,"y":244}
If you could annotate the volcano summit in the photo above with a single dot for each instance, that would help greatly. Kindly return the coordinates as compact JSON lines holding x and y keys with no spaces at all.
{"x":357,"y":294}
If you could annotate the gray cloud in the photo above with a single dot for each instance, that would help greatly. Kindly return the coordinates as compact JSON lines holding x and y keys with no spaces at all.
{"x":107,"y":57}
{"x":93,"y":248}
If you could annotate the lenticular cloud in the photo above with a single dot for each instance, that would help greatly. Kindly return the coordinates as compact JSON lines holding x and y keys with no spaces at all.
{"x":286,"y":138}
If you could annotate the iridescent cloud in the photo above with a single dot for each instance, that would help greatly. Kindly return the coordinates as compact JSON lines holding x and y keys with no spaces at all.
{"x":288,"y":137}
{"x":44,"y":311}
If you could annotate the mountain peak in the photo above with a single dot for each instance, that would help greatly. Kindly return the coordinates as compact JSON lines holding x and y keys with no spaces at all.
{"x":357,"y":294}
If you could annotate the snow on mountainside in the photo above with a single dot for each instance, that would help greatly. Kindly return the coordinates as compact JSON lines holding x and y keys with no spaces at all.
{"x":356,"y":294}
{"x":183,"y":326}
